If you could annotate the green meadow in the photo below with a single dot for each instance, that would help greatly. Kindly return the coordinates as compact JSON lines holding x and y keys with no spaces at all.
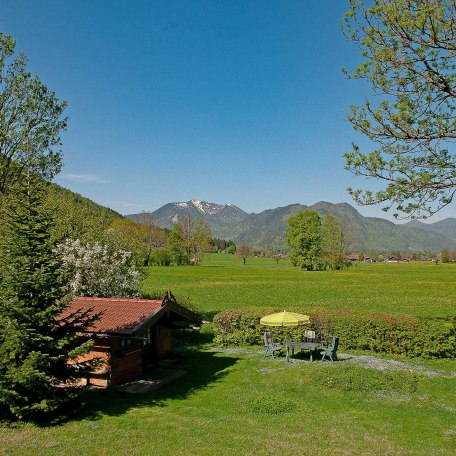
{"x":223,"y":282}
{"x":235,"y":401}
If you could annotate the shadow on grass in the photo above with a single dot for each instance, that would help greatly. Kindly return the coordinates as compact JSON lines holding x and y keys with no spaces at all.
{"x":209,"y":314}
{"x":205,"y":369}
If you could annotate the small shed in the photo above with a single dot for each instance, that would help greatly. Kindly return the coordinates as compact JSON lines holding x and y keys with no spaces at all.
{"x":130,"y":336}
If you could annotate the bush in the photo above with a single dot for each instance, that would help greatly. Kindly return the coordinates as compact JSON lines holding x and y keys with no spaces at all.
{"x":380,"y":333}
{"x":98,"y":270}
{"x":161,"y":257}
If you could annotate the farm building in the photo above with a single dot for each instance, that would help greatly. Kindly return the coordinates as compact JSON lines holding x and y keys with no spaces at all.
{"x":130,"y":335}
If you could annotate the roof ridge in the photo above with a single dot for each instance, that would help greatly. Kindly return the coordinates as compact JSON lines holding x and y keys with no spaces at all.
{"x":124,"y":315}
{"x":96,"y":298}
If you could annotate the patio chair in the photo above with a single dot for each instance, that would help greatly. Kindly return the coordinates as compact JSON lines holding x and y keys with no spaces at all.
{"x":309,"y":336}
{"x":331,"y":352}
{"x":270,"y":346}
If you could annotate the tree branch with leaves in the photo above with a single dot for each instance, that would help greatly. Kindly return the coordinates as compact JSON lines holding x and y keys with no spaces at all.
{"x":31,"y":119}
{"x":409,"y":52}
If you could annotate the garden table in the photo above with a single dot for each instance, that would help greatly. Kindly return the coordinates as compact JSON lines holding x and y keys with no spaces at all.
{"x":312,"y":346}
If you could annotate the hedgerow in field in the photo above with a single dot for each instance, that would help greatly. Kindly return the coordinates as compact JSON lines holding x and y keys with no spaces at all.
{"x":398,"y":334}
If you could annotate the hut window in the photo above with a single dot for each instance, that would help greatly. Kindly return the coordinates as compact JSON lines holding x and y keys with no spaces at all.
{"x":125,"y":344}
{"x":146,"y":338}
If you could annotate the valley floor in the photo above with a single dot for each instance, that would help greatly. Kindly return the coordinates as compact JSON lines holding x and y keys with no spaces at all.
{"x":236,"y":401}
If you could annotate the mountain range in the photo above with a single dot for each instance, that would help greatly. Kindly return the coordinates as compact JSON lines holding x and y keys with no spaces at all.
{"x":267,"y":229}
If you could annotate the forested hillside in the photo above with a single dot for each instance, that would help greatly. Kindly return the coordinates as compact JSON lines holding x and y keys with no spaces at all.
{"x":77,"y":216}
{"x":266,"y":230}
{"x":445,"y":227}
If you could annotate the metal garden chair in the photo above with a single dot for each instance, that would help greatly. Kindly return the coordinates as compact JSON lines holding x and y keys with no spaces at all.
{"x":309,"y":336}
{"x":270,"y":346}
{"x":331,"y":352}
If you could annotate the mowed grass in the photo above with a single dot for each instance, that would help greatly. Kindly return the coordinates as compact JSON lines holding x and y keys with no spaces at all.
{"x":223,"y":282}
{"x":237,"y":402}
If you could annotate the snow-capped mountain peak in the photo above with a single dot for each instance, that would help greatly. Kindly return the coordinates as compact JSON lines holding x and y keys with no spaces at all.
{"x":213,"y":213}
{"x":206,"y":207}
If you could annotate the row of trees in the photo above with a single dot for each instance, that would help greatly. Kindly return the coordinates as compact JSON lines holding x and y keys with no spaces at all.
{"x":188,"y":240}
{"x":316,"y":243}
{"x":151,"y":245}
{"x":447,"y":255}
{"x":223,"y":246}
{"x":404,"y":256}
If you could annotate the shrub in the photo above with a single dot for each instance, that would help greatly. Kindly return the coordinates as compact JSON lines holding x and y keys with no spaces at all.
{"x":380,"y":333}
{"x":161,"y":257}
{"x":97,"y":270}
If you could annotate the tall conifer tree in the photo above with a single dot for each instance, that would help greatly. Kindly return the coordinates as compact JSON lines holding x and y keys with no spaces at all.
{"x":35,"y":344}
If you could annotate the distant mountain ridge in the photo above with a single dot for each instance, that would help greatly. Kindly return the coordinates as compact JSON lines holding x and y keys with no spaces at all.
{"x":446,"y":227}
{"x":267,"y":228}
{"x":213,"y":213}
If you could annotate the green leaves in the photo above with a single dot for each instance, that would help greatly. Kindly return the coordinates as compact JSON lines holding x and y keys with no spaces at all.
{"x":400,"y":334}
{"x":304,"y":239}
{"x":31,"y":119}
{"x":409,"y":50}
{"x":315,"y":245}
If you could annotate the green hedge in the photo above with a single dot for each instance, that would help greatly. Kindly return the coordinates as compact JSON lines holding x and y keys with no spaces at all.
{"x":380,"y":333}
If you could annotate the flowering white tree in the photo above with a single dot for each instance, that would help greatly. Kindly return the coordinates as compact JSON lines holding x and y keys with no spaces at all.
{"x":97,"y":270}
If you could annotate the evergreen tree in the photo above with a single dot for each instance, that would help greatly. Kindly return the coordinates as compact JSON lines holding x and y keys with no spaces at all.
{"x":35,"y":344}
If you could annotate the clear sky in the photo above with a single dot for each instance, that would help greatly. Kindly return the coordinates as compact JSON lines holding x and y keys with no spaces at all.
{"x":234,"y":101}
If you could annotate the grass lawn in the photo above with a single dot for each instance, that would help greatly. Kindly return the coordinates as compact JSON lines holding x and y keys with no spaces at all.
{"x":237,"y":402}
{"x":222,"y":282}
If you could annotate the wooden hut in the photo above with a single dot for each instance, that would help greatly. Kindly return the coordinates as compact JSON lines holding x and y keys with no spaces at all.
{"x":130,"y":335}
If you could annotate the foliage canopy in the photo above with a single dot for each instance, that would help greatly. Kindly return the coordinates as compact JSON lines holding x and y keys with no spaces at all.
{"x":31,"y":119}
{"x":316,"y":243}
{"x":304,"y":238}
{"x":98,"y":270}
{"x":409,"y":51}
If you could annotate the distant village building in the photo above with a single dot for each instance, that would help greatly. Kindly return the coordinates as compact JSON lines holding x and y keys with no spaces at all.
{"x":130,"y":336}
{"x":355,"y":258}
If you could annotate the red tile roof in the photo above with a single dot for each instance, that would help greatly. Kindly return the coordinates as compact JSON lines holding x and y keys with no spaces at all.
{"x":119,"y":315}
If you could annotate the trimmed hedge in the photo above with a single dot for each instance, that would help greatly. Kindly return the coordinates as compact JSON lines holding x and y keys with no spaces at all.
{"x":398,"y":334}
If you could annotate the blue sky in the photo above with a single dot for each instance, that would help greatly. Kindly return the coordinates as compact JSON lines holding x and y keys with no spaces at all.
{"x":226,"y":101}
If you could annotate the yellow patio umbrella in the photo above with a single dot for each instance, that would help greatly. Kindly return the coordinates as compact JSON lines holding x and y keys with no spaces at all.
{"x":285,"y":319}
